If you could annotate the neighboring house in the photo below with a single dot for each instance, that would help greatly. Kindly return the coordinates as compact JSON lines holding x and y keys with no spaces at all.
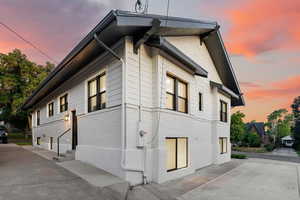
{"x":287,"y":141}
{"x":259,"y":129}
{"x":154,"y":107}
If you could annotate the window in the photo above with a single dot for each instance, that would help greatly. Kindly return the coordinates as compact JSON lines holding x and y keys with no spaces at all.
{"x":38,"y":140}
{"x":176,"y":94}
{"x":97,"y":93}
{"x":200,"y":102}
{"x":223,"y":111}
{"x":51,"y":143}
{"x":223,"y":145}
{"x":38,"y":118}
{"x":63,"y":103}
{"x":50,"y":109}
{"x":177,"y":153}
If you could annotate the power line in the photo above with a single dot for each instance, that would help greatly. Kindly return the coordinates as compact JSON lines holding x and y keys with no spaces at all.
{"x":28,"y":42}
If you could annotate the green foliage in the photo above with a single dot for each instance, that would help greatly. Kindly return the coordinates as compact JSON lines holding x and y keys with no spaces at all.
{"x":269,"y":147}
{"x":18,"y":78}
{"x":279,"y":124}
{"x":296,"y":130}
{"x":238,"y":156}
{"x":251,"y":139}
{"x":237,"y":127}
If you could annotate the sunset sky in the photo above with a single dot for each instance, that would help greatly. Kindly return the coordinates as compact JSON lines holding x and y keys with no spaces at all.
{"x":261,"y":36}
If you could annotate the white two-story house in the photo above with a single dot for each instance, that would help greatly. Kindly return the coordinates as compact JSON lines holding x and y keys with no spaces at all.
{"x":144,"y":97}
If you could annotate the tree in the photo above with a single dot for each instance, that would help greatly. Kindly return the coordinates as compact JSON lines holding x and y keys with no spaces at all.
{"x":296,"y":131}
{"x":18,"y":78}
{"x":237,"y":127}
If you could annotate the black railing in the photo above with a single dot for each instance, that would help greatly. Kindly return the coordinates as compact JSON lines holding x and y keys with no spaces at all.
{"x":59,"y":138}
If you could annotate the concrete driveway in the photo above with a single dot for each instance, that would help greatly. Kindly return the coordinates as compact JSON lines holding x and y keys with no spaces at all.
{"x":254,"y":179}
{"x":284,"y":151}
{"x":27,"y":176}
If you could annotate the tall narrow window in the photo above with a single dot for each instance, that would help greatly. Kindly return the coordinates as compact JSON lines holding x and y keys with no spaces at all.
{"x":177,"y":153}
{"x":51,"y":143}
{"x":38,"y":118}
{"x":223,"y":145}
{"x":63,"y":103}
{"x":223,"y":111}
{"x":50,"y":109}
{"x":176,"y":94}
{"x":200,"y":101}
{"x":97,"y":93}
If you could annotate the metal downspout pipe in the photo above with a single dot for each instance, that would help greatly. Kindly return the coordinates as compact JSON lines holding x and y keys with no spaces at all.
{"x":123,"y":110}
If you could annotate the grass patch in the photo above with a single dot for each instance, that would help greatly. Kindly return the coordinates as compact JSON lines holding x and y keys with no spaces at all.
{"x":24,"y":143}
{"x":16,"y":136}
{"x":250,"y":149}
{"x":298,"y":152}
{"x":238,"y":156}
{"x":19,"y":139}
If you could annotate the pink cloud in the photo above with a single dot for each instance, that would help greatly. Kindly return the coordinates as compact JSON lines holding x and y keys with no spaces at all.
{"x":258,"y":26}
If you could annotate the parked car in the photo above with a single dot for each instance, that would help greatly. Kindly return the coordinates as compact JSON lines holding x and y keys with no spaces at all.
{"x":3,"y":135}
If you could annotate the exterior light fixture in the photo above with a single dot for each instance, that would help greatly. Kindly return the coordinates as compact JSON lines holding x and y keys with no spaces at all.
{"x":67,"y":117}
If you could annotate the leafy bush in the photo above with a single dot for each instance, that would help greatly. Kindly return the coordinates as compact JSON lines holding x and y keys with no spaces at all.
{"x":251,"y":139}
{"x":238,"y":156}
{"x":269,"y":147}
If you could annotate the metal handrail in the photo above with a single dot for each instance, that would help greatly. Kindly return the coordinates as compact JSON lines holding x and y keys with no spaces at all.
{"x":59,"y":138}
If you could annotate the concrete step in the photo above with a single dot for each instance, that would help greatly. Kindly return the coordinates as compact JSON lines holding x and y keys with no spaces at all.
{"x":69,"y":155}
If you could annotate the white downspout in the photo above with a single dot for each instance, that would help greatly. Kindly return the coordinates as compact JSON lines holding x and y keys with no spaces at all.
{"x":123,"y":111}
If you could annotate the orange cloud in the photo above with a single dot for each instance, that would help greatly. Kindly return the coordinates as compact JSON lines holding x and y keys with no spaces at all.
{"x":284,"y":89}
{"x":258,"y":26}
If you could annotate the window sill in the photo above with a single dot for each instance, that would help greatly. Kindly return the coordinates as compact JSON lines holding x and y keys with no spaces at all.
{"x":177,"y":169}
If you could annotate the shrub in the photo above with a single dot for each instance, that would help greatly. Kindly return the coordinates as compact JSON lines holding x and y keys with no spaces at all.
{"x":269,"y":147}
{"x":251,"y":139}
{"x":238,"y":156}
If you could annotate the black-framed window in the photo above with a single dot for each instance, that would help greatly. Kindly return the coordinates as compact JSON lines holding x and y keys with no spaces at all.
{"x":51,"y":109}
{"x":38,"y":140}
{"x":200,"y":101}
{"x":177,"y":153}
{"x":51,"y":143}
{"x":176,"y":92}
{"x":223,"y":145}
{"x":223,"y":111}
{"x":38,"y":117}
{"x":97,"y":93}
{"x":63,"y":103}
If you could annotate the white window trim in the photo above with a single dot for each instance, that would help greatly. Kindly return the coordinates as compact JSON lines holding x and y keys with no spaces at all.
{"x":58,"y":102}
{"x":48,"y":109}
{"x":86,"y":89}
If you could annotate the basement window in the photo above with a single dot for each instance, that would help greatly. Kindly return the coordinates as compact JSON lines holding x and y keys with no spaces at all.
{"x":176,"y":93}
{"x":63,"y":103}
{"x":38,"y":140}
{"x":97,"y":93}
{"x":223,"y":145}
{"x":177,"y":153}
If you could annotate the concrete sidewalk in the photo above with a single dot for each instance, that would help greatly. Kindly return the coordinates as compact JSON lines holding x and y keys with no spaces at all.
{"x":254,"y":179}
